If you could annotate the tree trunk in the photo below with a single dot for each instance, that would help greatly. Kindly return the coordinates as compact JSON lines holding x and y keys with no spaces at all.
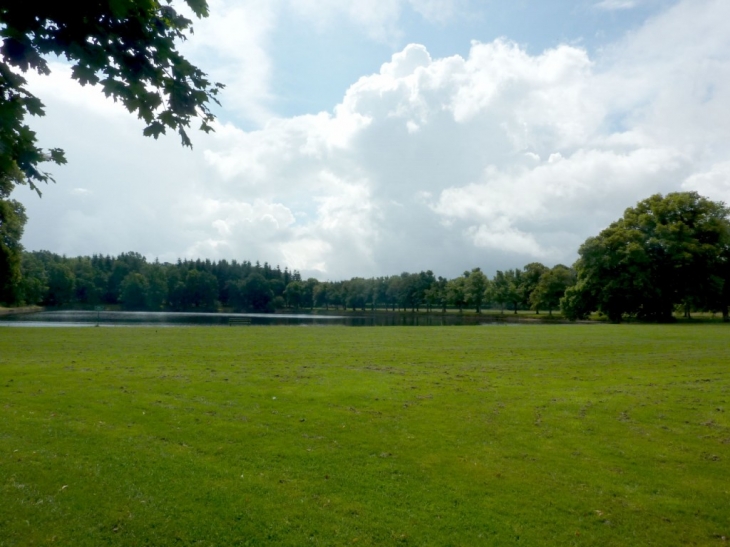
{"x":614,"y":316}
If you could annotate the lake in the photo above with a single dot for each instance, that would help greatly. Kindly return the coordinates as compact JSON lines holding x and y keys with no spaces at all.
{"x":78,"y":318}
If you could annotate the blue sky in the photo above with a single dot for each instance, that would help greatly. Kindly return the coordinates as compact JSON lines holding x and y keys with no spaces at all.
{"x":371,"y":137}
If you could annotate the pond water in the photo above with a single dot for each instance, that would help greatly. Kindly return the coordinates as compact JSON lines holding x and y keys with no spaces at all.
{"x":169,"y":319}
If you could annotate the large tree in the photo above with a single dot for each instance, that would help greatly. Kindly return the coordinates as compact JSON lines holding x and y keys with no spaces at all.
{"x":505,"y":288}
{"x":133,"y":292}
{"x":666,"y":251}
{"x":551,"y":287}
{"x":256,"y":293}
{"x":476,"y":285}
{"x":12,"y":221}
{"x":530,"y":278}
{"x":294,"y":294}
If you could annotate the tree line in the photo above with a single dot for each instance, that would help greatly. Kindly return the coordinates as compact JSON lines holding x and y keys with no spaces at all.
{"x":130,"y":281}
{"x":666,"y":253}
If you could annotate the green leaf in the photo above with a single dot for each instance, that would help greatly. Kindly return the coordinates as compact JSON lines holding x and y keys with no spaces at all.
{"x":199,"y":7}
{"x":120,"y":8}
{"x":154,"y":130}
{"x":84,"y":75}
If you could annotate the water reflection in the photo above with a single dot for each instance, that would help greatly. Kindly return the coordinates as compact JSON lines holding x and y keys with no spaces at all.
{"x":162,"y":319}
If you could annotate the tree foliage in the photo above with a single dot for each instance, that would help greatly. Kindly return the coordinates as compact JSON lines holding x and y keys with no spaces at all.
{"x":456,"y":292}
{"x":12,"y":222}
{"x":133,"y":291}
{"x":506,"y":288}
{"x":530,"y":278}
{"x":664,"y":252}
{"x":476,"y":286}
{"x":551,"y":287}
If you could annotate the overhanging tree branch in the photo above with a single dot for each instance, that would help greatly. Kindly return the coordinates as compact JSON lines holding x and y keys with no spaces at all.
{"x":128,"y":47}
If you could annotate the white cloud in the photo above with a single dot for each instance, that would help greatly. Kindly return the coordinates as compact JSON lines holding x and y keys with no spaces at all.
{"x":471,"y":133}
{"x":229,"y":224}
{"x":232,"y":43}
{"x":715,"y":182}
{"x":62,"y":88}
{"x":523,"y":208}
{"x":501,"y":236}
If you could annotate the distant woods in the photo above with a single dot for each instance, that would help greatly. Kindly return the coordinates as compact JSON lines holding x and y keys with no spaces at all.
{"x":667,"y":254}
{"x":131,"y":282}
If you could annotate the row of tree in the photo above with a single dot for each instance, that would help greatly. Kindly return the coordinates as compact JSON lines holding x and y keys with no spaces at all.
{"x":134,"y":283}
{"x":666,"y":253}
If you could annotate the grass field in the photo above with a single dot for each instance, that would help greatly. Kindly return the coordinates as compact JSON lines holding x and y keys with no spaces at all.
{"x":527,"y":435}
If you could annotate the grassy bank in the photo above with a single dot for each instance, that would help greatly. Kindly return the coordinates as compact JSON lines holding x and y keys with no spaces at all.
{"x":535,"y":435}
{"x":20,"y":309}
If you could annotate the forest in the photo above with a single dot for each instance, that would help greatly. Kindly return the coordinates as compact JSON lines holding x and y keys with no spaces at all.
{"x":130,"y":281}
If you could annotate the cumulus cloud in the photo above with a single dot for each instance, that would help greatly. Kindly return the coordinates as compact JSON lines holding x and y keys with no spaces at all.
{"x":495,"y":159}
{"x":232,"y":43}
{"x":517,"y":153}
{"x":715,"y":182}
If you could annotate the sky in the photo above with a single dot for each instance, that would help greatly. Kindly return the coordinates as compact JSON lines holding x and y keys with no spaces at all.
{"x":371,"y":137}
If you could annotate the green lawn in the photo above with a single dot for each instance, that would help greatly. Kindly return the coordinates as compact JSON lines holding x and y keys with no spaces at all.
{"x":501,"y":435}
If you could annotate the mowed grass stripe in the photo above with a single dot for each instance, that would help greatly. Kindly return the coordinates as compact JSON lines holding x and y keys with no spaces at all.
{"x":536,"y":435}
